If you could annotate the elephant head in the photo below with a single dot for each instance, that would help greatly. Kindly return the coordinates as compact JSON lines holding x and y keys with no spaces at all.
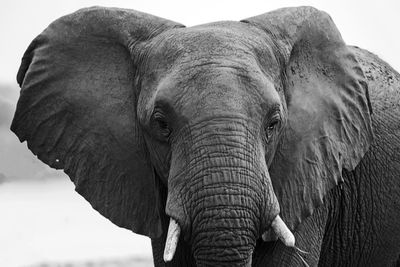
{"x":231,"y":129}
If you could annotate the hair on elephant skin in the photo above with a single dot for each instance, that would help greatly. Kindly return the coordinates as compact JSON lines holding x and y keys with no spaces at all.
{"x":261,"y":142}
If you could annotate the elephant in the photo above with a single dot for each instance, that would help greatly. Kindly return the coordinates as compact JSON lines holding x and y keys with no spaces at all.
{"x":261,"y":142}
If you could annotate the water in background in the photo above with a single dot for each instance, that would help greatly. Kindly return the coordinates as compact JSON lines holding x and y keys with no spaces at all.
{"x":46,"y":223}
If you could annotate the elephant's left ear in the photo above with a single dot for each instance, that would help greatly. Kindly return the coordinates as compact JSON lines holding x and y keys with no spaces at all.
{"x":329,"y":124}
{"x":77,"y":110}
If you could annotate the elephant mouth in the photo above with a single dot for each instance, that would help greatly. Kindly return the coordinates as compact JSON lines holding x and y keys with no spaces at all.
{"x":278,"y":230}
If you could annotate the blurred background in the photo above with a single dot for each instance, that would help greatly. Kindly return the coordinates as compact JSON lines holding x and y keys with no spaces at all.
{"x":43,"y":222}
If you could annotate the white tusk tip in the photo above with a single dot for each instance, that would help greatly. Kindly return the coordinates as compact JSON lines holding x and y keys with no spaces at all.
{"x":171,"y":242}
{"x":168,"y":257}
{"x":289,"y":241}
{"x":282,"y":231}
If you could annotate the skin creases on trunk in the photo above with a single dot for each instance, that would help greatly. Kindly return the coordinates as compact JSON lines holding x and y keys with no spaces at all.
{"x":223,"y":187}
{"x":226,"y":219}
{"x":224,"y":235}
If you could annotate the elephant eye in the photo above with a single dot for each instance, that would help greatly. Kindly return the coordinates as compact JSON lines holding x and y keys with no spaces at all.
{"x":162,"y":124}
{"x":271,"y":126}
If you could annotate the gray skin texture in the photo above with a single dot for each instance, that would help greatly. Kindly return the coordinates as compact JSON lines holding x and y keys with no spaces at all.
{"x":357,"y":226}
{"x":222,"y":127}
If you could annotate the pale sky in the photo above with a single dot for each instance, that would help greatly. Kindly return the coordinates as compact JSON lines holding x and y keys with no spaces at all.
{"x":368,"y":24}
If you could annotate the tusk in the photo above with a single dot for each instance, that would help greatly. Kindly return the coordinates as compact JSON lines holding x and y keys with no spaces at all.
{"x":281,"y":231}
{"x":172,"y":240}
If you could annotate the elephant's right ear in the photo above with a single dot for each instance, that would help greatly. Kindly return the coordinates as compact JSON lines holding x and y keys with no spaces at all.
{"x":77,"y":110}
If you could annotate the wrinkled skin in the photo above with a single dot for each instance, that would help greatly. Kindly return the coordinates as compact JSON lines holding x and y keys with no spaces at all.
{"x":356,"y":226}
{"x":221,"y":127}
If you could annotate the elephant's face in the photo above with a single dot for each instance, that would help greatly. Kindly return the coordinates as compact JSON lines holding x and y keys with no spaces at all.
{"x":243,"y":123}
{"x":212,"y":112}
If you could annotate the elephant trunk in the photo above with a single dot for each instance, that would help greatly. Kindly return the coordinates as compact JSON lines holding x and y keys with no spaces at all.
{"x":225,"y":226}
{"x":221,"y":194}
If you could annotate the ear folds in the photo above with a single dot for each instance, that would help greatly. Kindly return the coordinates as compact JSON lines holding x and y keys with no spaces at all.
{"x":329,"y":126}
{"x":77,"y":110}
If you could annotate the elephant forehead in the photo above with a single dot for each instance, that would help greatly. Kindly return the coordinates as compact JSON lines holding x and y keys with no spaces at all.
{"x":217,"y":87}
{"x":212,"y":68}
{"x":219,"y":39}
{"x":213,"y":40}
{"x":199,"y":51}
